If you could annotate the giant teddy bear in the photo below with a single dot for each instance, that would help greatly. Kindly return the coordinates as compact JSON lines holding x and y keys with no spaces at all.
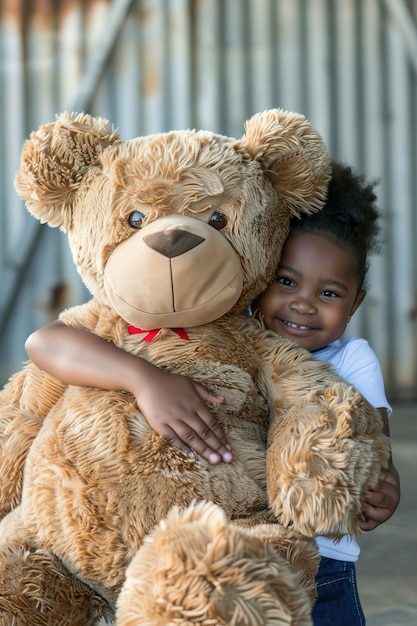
{"x":175,"y":234}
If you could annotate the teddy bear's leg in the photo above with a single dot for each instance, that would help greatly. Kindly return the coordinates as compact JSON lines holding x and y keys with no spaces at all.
{"x":24,"y":403}
{"x":37,"y":590}
{"x":197,"y":567}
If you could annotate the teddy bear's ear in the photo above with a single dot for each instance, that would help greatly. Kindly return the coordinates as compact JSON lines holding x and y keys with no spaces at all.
{"x":292,"y":154}
{"x":54,"y":161}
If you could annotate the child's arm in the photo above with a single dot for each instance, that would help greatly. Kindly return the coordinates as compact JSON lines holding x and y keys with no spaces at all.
{"x":173,"y":405}
{"x":382,"y":501}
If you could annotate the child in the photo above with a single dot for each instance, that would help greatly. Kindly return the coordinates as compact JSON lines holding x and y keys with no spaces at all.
{"x":318,"y":286}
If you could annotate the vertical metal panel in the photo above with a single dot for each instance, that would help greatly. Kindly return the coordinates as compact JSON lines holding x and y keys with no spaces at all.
{"x":318,"y":95}
{"x":209,"y":31}
{"x":399,"y":173}
{"x":262,"y":43}
{"x":151,"y":65}
{"x":235,"y":64}
{"x":289,"y":54}
{"x":375,"y":314}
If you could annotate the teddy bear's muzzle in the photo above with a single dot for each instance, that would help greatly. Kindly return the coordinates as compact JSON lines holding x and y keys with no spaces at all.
{"x":176,"y":272}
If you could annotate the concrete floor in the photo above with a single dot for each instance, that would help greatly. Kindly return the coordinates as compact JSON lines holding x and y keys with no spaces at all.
{"x":387,"y":568}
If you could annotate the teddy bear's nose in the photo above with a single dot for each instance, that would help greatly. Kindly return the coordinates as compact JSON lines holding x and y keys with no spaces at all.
{"x":172,"y":243}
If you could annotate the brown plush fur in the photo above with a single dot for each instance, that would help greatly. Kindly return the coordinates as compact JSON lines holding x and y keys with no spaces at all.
{"x":21,"y":414}
{"x":96,"y":480}
{"x":227,"y":577}
{"x":36,"y":589}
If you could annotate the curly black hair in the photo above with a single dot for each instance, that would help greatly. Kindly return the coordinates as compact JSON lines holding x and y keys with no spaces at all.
{"x":349,"y":217}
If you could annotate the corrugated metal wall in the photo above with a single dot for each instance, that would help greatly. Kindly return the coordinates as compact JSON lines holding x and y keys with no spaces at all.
{"x":150,"y":65}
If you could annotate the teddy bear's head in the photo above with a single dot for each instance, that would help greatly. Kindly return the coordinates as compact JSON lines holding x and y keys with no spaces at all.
{"x":174,"y":229}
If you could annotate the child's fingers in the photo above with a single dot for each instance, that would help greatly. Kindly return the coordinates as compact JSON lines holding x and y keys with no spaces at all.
{"x":211,"y":442}
{"x":208,"y":396}
{"x":182,"y":417}
{"x":376,"y":513}
{"x":367,"y":524}
{"x":386,"y":496}
{"x":201,"y":440}
{"x":378,"y":507}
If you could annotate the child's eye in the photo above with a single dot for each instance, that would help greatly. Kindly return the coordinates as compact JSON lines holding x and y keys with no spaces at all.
{"x":283,"y":280}
{"x":328,"y":293}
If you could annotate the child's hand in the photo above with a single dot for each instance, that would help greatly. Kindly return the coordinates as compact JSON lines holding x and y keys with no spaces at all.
{"x":175,"y":407}
{"x":382,"y":501}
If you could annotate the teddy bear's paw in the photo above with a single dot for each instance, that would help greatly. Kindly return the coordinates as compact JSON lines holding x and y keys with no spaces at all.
{"x":322,"y":458}
{"x":37,"y":590}
{"x":198,"y":568}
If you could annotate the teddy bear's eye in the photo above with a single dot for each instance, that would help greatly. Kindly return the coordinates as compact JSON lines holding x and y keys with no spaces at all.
{"x":218,"y":220}
{"x":136,"y":219}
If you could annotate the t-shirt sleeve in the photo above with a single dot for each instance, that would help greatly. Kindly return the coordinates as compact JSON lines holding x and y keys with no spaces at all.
{"x":360,"y":367}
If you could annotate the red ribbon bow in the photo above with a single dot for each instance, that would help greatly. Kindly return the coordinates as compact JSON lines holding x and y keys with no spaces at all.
{"x":151,"y":334}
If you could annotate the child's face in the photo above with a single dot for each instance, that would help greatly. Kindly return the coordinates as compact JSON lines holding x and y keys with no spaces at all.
{"x":313,"y":294}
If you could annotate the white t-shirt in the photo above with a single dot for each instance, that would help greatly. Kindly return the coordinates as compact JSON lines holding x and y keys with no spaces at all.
{"x":356,"y":362}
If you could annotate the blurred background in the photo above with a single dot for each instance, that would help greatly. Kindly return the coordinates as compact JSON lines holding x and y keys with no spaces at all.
{"x":149,"y":66}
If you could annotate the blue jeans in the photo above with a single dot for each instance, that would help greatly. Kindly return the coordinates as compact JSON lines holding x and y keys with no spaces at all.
{"x":337,"y":601}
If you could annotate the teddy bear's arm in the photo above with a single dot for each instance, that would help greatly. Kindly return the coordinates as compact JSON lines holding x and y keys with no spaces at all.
{"x":25,"y":401}
{"x":325,"y":445}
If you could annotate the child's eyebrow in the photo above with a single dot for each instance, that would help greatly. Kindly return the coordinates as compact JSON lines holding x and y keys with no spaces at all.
{"x":333,"y":282}
{"x":288,"y":268}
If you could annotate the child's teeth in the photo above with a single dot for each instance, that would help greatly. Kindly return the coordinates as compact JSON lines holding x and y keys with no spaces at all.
{"x":292,"y":325}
